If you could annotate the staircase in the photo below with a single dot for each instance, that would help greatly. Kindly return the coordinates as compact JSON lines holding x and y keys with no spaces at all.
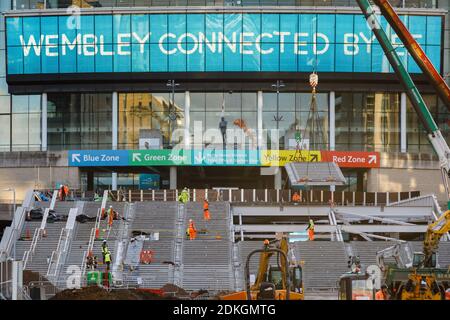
{"x":367,"y":251}
{"x":155,"y":217}
{"x":207,"y":260}
{"x":324,"y":263}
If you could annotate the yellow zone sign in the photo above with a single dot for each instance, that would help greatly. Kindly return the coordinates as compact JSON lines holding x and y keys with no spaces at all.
{"x":278,"y":158}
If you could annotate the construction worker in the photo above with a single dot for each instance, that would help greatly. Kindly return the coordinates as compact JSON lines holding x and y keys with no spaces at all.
{"x":192,"y":230}
{"x":107,"y":260}
{"x":206,"y":215}
{"x":66,"y":190}
{"x":383,"y":293}
{"x":310,"y":229}
{"x":184,"y":196}
{"x":104,"y":250}
{"x":111,"y":215}
{"x":62,"y":193}
{"x":296,"y":197}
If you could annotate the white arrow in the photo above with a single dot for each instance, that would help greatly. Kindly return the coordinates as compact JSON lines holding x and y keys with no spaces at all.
{"x":137,"y":157}
{"x":199,"y":158}
{"x":76,"y":157}
{"x":372,"y":159}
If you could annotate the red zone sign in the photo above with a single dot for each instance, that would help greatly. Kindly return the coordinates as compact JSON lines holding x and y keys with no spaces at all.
{"x":352,"y":159}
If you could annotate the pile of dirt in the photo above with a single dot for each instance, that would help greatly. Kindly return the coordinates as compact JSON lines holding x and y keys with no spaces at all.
{"x":170,"y":288}
{"x":97,"y":293}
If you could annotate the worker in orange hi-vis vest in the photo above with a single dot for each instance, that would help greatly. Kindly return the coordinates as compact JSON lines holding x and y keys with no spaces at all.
{"x":310,"y":229}
{"x":110,"y":216}
{"x":192,"y":230}
{"x":206,"y":215}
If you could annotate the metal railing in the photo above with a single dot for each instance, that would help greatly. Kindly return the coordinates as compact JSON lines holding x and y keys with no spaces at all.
{"x":28,"y":255}
{"x":61,"y":249}
{"x":309,"y":197}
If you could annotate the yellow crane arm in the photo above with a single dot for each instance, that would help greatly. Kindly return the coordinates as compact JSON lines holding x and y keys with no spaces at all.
{"x":434,"y":233}
{"x":262,"y":269}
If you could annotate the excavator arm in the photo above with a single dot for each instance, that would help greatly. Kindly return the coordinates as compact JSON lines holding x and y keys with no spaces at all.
{"x":282,"y":244}
{"x":400,"y":252}
{"x":434,"y":233}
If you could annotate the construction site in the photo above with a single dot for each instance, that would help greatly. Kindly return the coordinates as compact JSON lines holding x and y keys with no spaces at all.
{"x":225,"y":150}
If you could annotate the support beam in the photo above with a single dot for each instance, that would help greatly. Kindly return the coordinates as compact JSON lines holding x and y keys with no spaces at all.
{"x":44,"y":122}
{"x":277,"y":179}
{"x":187,"y":120}
{"x":114,"y":181}
{"x":419,"y":212}
{"x":115,"y":114}
{"x":173,"y":178}
{"x":332,"y":120}
{"x":403,"y":115}
{"x":366,"y":228}
{"x":260,"y":119}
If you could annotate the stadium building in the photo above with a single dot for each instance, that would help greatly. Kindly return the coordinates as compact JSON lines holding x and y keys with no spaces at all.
{"x":127,"y":102}
{"x":94,"y":94}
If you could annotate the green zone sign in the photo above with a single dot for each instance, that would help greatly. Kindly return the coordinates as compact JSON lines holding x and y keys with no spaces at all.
{"x":158,"y":158}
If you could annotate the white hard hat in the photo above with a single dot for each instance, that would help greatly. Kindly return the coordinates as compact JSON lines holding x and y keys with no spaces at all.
{"x":110,"y":206}
{"x":60,"y":185}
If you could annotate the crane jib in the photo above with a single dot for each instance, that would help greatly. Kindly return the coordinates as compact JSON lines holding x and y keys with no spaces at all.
{"x":404,"y":77}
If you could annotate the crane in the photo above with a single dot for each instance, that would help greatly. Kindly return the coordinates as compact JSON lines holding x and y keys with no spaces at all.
{"x":435,"y":136}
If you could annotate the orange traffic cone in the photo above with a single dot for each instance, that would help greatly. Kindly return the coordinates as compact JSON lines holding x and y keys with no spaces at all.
{"x":97,"y":233}
{"x":27,"y":234}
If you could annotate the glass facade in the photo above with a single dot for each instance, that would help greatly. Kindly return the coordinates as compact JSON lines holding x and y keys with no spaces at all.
{"x":139,"y":111}
{"x":79,"y":121}
{"x":368,"y":121}
{"x":51,"y":4}
{"x":364,"y":121}
{"x":417,"y":139}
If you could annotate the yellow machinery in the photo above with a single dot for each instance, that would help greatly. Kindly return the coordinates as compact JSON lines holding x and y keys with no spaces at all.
{"x":281,"y":282}
{"x":421,"y":279}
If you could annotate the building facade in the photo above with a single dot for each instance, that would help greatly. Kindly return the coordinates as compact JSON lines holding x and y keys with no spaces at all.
{"x":116,"y":74}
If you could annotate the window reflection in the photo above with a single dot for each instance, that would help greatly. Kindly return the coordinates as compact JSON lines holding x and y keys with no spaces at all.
{"x":146,"y":111}
{"x":368,"y":121}
{"x":79,"y":121}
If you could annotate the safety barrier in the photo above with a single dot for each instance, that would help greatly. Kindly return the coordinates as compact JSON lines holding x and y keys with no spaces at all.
{"x":309,"y":197}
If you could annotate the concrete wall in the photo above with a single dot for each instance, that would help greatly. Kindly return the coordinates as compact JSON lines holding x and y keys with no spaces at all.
{"x":22,"y":179}
{"x":395,"y":179}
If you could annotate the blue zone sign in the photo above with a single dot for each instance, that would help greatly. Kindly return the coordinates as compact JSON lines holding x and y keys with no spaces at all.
{"x":98,"y":158}
{"x":252,"y":42}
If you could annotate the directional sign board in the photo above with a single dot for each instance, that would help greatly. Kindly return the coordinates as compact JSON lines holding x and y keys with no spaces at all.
{"x":98,"y":158}
{"x":350,"y":159}
{"x":279,"y":158}
{"x":159,"y":157}
{"x":216,"y":157}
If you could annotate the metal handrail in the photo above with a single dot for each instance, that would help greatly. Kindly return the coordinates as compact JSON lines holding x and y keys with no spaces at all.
{"x":30,"y":251}
{"x":54,"y":253}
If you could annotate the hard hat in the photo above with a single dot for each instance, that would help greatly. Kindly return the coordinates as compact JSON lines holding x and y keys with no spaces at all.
{"x":104,"y":241}
{"x":60,"y":185}
{"x":190,"y":220}
{"x":110,"y":206}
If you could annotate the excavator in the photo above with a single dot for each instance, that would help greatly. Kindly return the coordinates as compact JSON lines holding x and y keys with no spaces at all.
{"x":418,"y":278}
{"x":280,"y":282}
